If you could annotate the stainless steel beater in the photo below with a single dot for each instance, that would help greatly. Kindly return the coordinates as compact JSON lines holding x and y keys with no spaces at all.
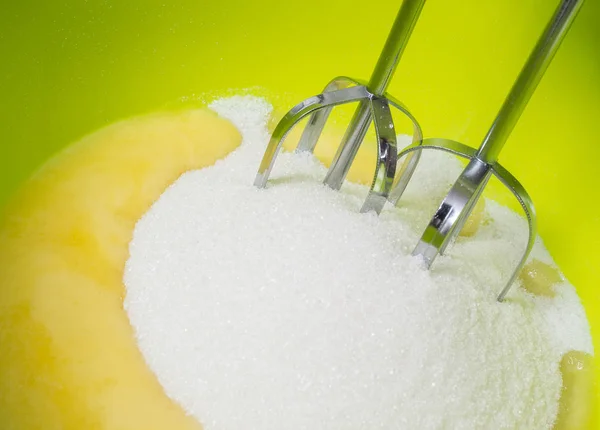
{"x":374,"y":104}
{"x":374,"y":107}
{"x":456,"y":207}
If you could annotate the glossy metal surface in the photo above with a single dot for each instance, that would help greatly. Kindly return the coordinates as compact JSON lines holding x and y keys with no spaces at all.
{"x":317,"y":120}
{"x":456,"y":207}
{"x":382,"y":74}
{"x":374,"y":106}
{"x":528,"y":80}
{"x":312,"y":104}
{"x":320,"y":106}
{"x":527,"y":205}
{"x":452,"y":213}
{"x":458,"y":204}
{"x":387,"y":156}
{"x":454,"y":210}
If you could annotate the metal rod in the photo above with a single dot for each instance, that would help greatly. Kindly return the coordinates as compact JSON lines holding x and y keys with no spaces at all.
{"x":389,"y":58}
{"x":396,"y":42}
{"x":528,"y":79}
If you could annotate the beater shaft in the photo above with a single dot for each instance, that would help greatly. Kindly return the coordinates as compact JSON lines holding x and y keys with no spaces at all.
{"x":374,"y":105}
{"x":527,"y":82}
{"x":456,"y":207}
{"x":389,"y":58}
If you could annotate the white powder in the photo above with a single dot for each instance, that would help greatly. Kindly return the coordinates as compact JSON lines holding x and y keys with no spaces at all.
{"x":286,"y":308}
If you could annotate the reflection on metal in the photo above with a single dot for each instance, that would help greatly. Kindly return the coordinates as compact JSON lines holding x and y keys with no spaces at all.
{"x":456,"y":207}
{"x":374,"y":107}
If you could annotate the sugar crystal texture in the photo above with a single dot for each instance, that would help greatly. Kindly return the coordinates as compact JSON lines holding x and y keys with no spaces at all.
{"x":286,"y":308}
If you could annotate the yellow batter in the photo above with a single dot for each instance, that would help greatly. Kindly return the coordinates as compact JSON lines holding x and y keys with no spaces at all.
{"x":69,"y":359}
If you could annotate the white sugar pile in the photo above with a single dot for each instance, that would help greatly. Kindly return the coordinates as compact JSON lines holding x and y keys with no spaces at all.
{"x":286,"y":308}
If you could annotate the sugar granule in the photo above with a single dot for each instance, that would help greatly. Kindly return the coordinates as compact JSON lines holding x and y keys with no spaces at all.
{"x":286,"y":308}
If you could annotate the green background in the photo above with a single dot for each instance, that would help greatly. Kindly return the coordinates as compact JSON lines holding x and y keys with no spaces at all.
{"x":70,"y":67}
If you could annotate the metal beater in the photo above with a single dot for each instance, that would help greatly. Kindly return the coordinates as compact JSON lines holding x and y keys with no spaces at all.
{"x":456,"y":207}
{"x":374,"y":107}
{"x":458,"y":204}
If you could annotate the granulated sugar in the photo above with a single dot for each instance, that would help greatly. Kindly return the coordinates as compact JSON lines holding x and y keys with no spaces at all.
{"x":286,"y":308}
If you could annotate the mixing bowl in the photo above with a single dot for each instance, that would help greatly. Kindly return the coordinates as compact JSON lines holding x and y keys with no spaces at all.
{"x":70,"y":67}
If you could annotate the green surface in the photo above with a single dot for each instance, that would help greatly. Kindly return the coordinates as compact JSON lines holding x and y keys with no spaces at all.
{"x":70,"y":67}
